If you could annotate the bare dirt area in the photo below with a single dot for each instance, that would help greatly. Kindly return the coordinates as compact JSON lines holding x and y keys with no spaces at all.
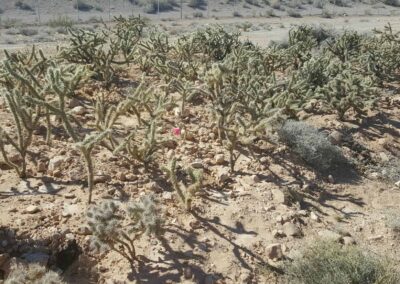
{"x":256,"y":150}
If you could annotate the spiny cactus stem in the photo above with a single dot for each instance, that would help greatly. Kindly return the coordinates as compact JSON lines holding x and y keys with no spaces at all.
{"x":89,"y":169}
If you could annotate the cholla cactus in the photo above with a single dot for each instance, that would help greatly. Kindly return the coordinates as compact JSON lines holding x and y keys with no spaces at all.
{"x":141,"y":150}
{"x":117,"y":228}
{"x":26,"y":119}
{"x":101,"y":51}
{"x":348,"y":91}
{"x":32,"y":274}
{"x":186,"y":193}
{"x":346,"y":46}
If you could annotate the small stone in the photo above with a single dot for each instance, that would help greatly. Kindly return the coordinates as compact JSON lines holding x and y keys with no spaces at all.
{"x":348,"y":241}
{"x":66,"y":214}
{"x":335,"y":137}
{"x":79,"y":110}
{"x":291,"y":229}
{"x":41,"y":166}
{"x":278,"y":234}
{"x":102,"y":178}
{"x":375,"y":238}
{"x":397,"y":183}
{"x":69,"y":195}
{"x":83,"y":230}
{"x":197,"y":165}
{"x":222,"y":175}
{"x":278,"y":196}
{"x":274,"y":251}
{"x":167,"y":196}
{"x":153,"y":186}
{"x":36,"y":257}
{"x":384,"y":158}
{"x":121,"y":176}
{"x":32,"y":209}
{"x":374,"y":175}
{"x":188,"y":273}
{"x":209,"y":279}
{"x":3,"y":258}
{"x":55,"y":163}
{"x":331,"y":179}
{"x":303,"y":213}
{"x":219,"y":159}
{"x":314,"y":217}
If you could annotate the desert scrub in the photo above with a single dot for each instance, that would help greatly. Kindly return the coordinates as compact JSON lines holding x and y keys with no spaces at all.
{"x":153,"y":6}
{"x":330,"y":263}
{"x":311,"y":145}
{"x":82,"y":5}
{"x":392,"y":219}
{"x":23,"y":6}
{"x":116,"y":227}
{"x":32,"y":274}
{"x":186,"y":192}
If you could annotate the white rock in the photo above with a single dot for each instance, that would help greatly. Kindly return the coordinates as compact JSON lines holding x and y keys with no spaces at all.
{"x":335,"y":137}
{"x":348,"y":241}
{"x":397,"y":183}
{"x":55,"y":163}
{"x":32,"y":209}
{"x":314,"y":217}
{"x":331,"y":179}
{"x":384,"y":158}
{"x":291,"y":229}
{"x":79,"y":110}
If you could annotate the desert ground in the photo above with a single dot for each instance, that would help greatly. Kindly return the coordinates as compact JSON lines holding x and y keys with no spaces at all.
{"x":215,"y":178}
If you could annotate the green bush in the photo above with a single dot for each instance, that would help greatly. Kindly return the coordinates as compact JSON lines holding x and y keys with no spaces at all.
{"x":311,"y":145}
{"x":330,"y":263}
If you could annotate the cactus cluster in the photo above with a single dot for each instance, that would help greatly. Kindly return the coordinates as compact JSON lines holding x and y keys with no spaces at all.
{"x":116,"y":227}
{"x":32,"y":274}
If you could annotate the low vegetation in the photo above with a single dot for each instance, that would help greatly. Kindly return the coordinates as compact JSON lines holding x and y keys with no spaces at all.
{"x":328,"y":262}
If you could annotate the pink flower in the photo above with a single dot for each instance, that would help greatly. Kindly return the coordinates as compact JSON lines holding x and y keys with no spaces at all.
{"x":176,"y":131}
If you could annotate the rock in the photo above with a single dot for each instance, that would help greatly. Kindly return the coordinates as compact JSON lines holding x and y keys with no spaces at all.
{"x":278,"y":234}
{"x":3,"y":258}
{"x":335,"y":137}
{"x":222,"y":175}
{"x":41,"y":166}
{"x":278,"y":196}
{"x":32,"y":209}
{"x":55,"y":163}
{"x":78,"y":110}
{"x":167,"y":196}
{"x":375,"y":238}
{"x":153,"y":186}
{"x":197,"y":165}
{"x":121,"y":176}
{"x":314,"y":217}
{"x":348,"y":241}
{"x":331,"y":179}
{"x":274,"y":251}
{"x":330,"y":235}
{"x":69,"y":195}
{"x":291,"y":229}
{"x":209,"y":279}
{"x":397,"y":183}
{"x":219,"y":159}
{"x":188,"y":273}
{"x":374,"y":176}
{"x":102,"y":178}
{"x":302,"y":213}
{"x":84,"y":231}
{"x":250,"y":180}
{"x":66,"y":214}
{"x":36,"y":257}
{"x":384,"y":158}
